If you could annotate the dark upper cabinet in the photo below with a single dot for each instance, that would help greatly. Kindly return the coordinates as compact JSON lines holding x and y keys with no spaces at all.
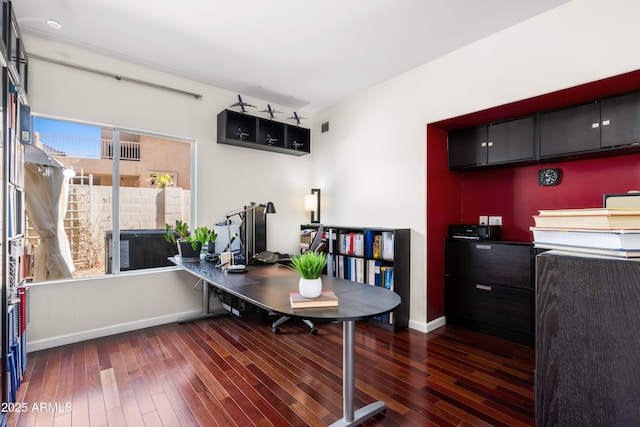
{"x":620,"y":120}
{"x":604,"y":127}
{"x":498,"y":143}
{"x":570,"y":130}
{"x":599,"y":126}
{"x":511,"y":141}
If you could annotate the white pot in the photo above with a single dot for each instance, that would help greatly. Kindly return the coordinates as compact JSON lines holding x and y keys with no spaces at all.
{"x":310,"y":288}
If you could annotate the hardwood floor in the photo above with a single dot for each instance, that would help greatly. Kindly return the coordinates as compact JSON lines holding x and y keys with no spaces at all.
{"x":235,"y":372}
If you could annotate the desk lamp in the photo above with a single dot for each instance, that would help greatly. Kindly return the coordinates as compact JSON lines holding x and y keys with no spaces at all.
{"x":269,"y":208}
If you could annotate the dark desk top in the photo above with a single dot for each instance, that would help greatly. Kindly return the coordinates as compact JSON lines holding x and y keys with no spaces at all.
{"x":268,"y":287}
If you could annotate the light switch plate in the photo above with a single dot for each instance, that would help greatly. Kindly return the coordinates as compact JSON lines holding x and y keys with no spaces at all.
{"x":495,"y":220}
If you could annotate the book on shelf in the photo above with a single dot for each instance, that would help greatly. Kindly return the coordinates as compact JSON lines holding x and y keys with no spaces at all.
{"x":326,"y":299}
{"x":591,"y":218}
{"x":603,"y":239}
{"x":351,"y":243}
{"x":387,"y":245}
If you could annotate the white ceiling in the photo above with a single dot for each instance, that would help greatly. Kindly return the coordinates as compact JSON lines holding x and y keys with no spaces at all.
{"x":303,"y":54}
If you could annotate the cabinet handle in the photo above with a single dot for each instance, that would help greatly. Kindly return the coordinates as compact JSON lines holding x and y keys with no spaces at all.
{"x":595,"y":125}
{"x":484,"y":144}
{"x":606,"y":122}
{"x":486,"y":247}
{"x":483,"y":287}
{"x":490,"y":144}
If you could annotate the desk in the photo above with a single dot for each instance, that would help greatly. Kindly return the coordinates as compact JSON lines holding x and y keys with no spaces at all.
{"x":268,"y":287}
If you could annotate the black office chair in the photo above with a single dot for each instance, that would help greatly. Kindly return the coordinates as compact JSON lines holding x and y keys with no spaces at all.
{"x":316,"y":245}
{"x":282,"y":319}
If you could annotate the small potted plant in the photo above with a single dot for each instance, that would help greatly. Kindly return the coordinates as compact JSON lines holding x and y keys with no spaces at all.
{"x":189,"y":244}
{"x":310,"y":266}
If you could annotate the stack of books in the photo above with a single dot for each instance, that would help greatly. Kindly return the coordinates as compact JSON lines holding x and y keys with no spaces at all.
{"x":326,"y":299}
{"x":600,"y":231}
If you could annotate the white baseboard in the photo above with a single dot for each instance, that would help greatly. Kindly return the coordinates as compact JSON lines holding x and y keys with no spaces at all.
{"x":106,"y":331}
{"x":428,"y":327}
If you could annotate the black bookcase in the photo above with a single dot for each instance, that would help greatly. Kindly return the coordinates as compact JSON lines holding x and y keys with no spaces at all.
{"x":15,"y":267}
{"x":245,"y":130}
{"x":377,"y":256}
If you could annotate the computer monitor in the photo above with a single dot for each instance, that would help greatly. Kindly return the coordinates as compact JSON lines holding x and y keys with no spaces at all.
{"x":317,"y":243}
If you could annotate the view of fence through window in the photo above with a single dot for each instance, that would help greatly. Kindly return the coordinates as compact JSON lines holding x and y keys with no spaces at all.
{"x":154,"y":189}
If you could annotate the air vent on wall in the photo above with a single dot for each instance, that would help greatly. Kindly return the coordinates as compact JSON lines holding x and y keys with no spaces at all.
{"x":324,"y":127}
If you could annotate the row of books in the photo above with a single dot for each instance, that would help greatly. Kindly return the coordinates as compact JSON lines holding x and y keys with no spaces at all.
{"x":353,"y":268}
{"x":15,"y":150}
{"x":371,"y":243}
{"x":380,"y":245}
{"x":15,"y":211}
{"x":381,"y":275}
{"x":346,"y":267}
{"x":17,"y":351}
{"x":351,"y":244}
{"x":601,"y":231}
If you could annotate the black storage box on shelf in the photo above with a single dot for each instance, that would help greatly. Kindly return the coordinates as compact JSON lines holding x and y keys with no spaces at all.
{"x":139,"y":249}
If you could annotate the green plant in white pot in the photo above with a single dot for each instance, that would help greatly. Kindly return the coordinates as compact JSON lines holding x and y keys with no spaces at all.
{"x":310,"y":266}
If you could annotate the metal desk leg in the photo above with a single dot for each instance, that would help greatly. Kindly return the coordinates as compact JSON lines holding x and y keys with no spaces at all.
{"x":205,"y":305}
{"x":351,"y":417}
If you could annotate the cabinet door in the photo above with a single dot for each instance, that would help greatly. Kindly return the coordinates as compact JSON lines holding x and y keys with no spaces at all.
{"x":511,"y":141}
{"x":620,"y":120}
{"x":467,"y":147}
{"x":489,"y":307}
{"x":571,"y":130}
{"x":490,"y":262}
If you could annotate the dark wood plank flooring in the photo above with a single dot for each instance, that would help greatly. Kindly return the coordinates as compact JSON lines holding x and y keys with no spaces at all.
{"x":235,"y":372}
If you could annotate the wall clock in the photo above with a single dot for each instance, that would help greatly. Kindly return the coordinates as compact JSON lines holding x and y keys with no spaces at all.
{"x":549,"y":176}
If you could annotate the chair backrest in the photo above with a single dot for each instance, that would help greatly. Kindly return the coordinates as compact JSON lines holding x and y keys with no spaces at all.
{"x":316,"y":243}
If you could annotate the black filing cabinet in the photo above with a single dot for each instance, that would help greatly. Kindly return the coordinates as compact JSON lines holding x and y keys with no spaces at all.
{"x":489,"y":287}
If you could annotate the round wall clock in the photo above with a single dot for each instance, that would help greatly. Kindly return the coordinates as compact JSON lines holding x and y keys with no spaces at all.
{"x":549,"y":176}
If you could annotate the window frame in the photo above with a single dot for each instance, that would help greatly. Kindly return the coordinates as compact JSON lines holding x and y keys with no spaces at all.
{"x":115,"y":188}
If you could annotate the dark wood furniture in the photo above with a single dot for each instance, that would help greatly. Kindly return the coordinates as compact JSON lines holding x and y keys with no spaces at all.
{"x":489,"y":287}
{"x":507,"y":142}
{"x":601,"y":127}
{"x":587,"y":340}
{"x":244,"y":130}
{"x":15,"y":269}
{"x":359,"y":263}
{"x":268,"y":287}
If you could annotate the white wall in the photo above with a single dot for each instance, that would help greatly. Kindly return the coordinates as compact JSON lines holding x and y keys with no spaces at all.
{"x":370,"y":165}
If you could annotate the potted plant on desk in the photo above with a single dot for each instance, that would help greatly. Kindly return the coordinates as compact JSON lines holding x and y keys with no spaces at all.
{"x":189,"y":244}
{"x":310,"y":266}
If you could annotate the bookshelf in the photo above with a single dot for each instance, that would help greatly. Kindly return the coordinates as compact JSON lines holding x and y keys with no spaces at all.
{"x":14,"y":291}
{"x":377,"y":256}
{"x":245,"y":130}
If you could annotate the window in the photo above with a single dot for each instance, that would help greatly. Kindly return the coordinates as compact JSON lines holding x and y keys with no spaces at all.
{"x":123,"y":187}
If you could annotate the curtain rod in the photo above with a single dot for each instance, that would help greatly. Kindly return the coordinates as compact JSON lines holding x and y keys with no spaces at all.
{"x":115,"y":76}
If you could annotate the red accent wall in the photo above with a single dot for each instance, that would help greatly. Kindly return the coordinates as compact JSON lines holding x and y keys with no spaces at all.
{"x":444,"y":202}
{"x":513,"y":193}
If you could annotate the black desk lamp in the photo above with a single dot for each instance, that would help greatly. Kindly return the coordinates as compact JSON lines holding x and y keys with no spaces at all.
{"x":268,"y":209}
